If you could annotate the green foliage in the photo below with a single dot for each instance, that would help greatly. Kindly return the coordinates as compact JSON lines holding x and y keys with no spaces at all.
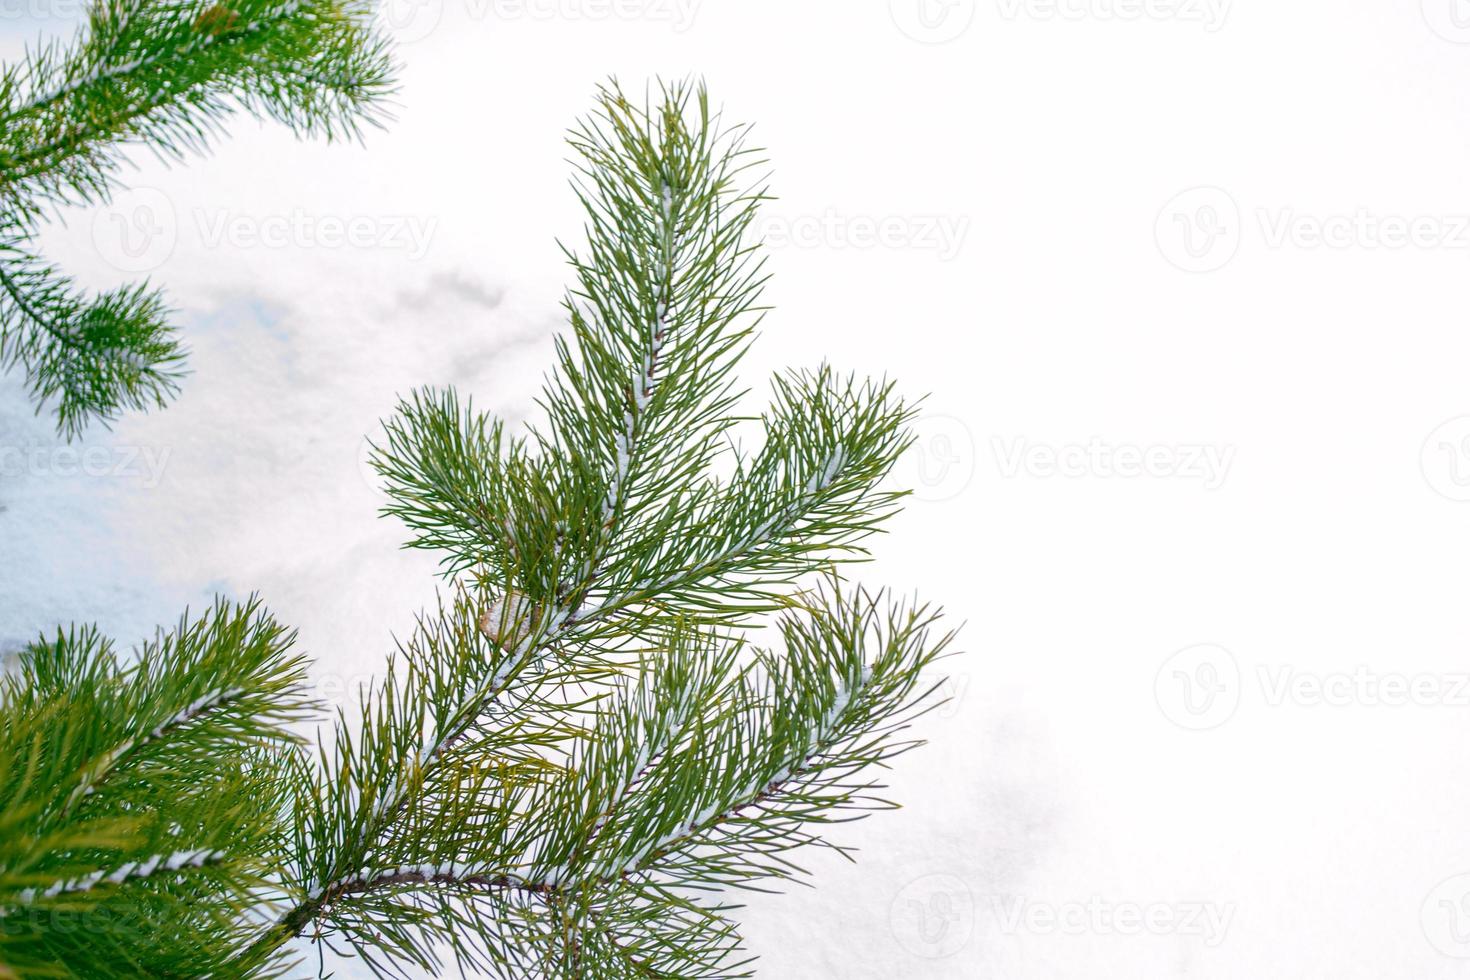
{"x":141,"y":796}
{"x":165,"y":74}
{"x":569,"y":768}
{"x":577,"y":762}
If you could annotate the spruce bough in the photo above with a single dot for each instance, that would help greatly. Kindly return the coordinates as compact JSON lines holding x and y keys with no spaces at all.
{"x":165,"y":74}
{"x":579,"y":758}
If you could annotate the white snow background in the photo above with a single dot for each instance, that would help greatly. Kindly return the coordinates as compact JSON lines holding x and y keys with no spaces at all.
{"x":1086,"y":229}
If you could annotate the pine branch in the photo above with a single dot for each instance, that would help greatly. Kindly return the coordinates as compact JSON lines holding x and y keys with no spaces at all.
{"x":573,"y":762}
{"x":601,"y":544}
{"x":164,"y":74}
{"x":807,"y":722}
{"x":97,"y":357}
{"x":142,"y":796}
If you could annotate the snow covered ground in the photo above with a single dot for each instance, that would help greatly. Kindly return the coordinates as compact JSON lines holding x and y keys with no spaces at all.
{"x":1185,"y":281}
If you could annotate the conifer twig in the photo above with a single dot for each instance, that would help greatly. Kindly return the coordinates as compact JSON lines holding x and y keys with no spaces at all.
{"x":164,"y":74}
{"x":579,"y":757}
